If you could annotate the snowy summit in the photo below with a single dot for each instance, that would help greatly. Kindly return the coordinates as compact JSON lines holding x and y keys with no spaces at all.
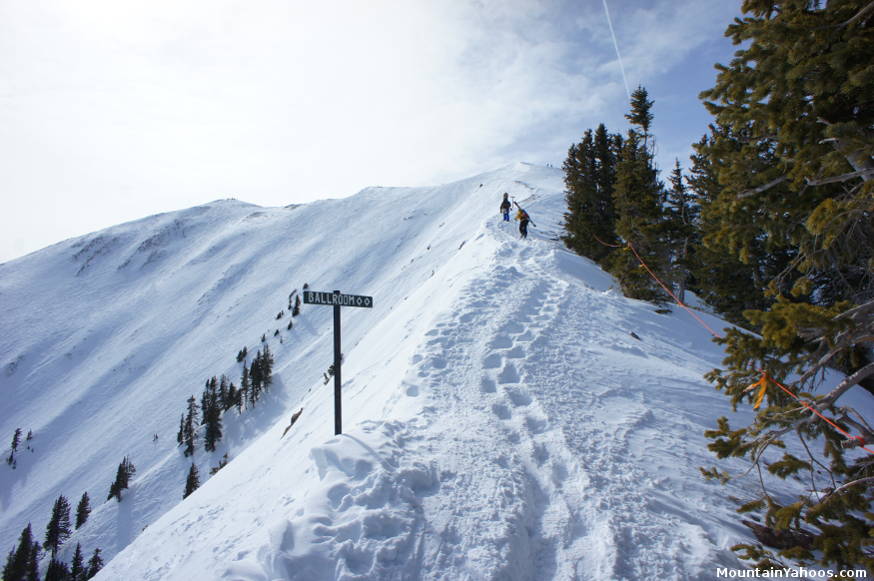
{"x":508,"y":414}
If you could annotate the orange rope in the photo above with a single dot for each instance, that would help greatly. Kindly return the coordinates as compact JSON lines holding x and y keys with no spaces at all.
{"x":605,"y":243}
{"x":765,"y":376}
{"x":673,"y":296}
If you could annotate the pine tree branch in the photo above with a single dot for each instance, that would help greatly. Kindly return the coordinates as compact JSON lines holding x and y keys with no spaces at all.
{"x":867,"y":436}
{"x":857,"y":311}
{"x":841,"y":178}
{"x":859,"y":15}
{"x":843,"y":487}
{"x":847,"y":383}
{"x":762,"y":188}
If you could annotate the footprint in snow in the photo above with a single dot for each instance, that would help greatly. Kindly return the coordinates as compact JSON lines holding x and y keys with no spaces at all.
{"x":508,"y":375}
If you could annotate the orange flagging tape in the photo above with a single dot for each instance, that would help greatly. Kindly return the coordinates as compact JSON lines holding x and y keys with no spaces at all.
{"x":763,"y":382}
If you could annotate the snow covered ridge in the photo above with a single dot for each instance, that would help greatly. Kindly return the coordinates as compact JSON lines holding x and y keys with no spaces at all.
{"x":500,"y":421}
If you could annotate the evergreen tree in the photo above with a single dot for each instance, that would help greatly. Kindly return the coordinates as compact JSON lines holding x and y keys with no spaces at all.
{"x":180,"y":435}
{"x":212,"y":416}
{"x":681,"y":228}
{"x":33,"y":563}
{"x":730,"y":267}
{"x":18,"y":561}
{"x":16,"y":440}
{"x":590,"y":174}
{"x":233,"y":397}
{"x":796,"y":173}
{"x":641,"y":113}
{"x":77,"y":566}
{"x":267,"y":367}
{"x":296,"y":311}
{"x":223,"y":393}
{"x":57,"y":571}
{"x":122,"y":479}
{"x":58,"y":530}
{"x":95,"y":564}
{"x":245,"y":388}
{"x":639,"y":222}
{"x":189,"y":432}
{"x":192,"y":483}
{"x":83,"y":510}
{"x":256,"y":376}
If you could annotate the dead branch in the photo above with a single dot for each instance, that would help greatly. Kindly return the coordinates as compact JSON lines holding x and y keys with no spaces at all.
{"x":762,"y":188}
{"x":859,"y":15}
{"x":847,"y":383}
{"x":841,"y":178}
{"x":843,"y":487}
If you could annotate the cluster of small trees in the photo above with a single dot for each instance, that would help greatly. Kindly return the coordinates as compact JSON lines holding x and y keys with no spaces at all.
{"x":126,"y":469}
{"x":16,"y":443}
{"x":22,"y":563}
{"x":219,"y":396}
{"x":774,"y":227}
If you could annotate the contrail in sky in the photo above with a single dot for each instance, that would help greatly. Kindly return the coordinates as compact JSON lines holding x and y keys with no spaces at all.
{"x":616,"y":46}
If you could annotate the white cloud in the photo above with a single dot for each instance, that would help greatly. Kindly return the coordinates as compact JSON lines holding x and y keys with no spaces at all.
{"x":114,"y":110}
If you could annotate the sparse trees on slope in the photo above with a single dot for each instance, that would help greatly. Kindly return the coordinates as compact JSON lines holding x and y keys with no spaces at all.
{"x":796,"y":172}
{"x":122,"y":479}
{"x":57,"y":571}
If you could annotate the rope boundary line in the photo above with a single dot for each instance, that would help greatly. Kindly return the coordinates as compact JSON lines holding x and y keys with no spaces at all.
{"x":765,"y":377}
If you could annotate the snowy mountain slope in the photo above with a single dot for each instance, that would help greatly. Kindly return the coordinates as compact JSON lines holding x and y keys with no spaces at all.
{"x":107,"y":335}
{"x":500,"y":421}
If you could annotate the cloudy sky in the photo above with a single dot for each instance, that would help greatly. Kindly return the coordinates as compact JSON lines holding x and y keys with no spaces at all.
{"x":111,"y":110}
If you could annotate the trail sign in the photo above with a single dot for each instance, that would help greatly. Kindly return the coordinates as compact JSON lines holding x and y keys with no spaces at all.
{"x":337,"y":300}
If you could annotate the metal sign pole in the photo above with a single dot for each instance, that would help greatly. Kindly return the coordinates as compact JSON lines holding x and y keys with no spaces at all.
{"x":338,"y":413}
{"x":337,"y":300}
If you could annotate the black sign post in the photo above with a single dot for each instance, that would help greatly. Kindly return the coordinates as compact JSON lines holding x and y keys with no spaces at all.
{"x":337,"y":300}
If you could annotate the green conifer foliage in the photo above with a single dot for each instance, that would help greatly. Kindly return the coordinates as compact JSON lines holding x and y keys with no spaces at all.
{"x":189,"y":427}
{"x":126,"y":469}
{"x":95,"y":564}
{"x":680,"y":228}
{"x":77,"y":565}
{"x":192,"y":483}
{"x":636,"y":197}
{"x":58,"y":530}
{"x":19,"y":559}
{"x":794,"y":165}
{"x":590,"y":172}
{"x":83,"y":510}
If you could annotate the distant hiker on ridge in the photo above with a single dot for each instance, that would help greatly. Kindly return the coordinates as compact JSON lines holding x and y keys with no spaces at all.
{"x":505,"y":207}
{"x":523,"y":218}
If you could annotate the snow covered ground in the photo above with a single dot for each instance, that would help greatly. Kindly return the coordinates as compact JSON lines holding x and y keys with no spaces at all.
{"x":500,"y":420}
